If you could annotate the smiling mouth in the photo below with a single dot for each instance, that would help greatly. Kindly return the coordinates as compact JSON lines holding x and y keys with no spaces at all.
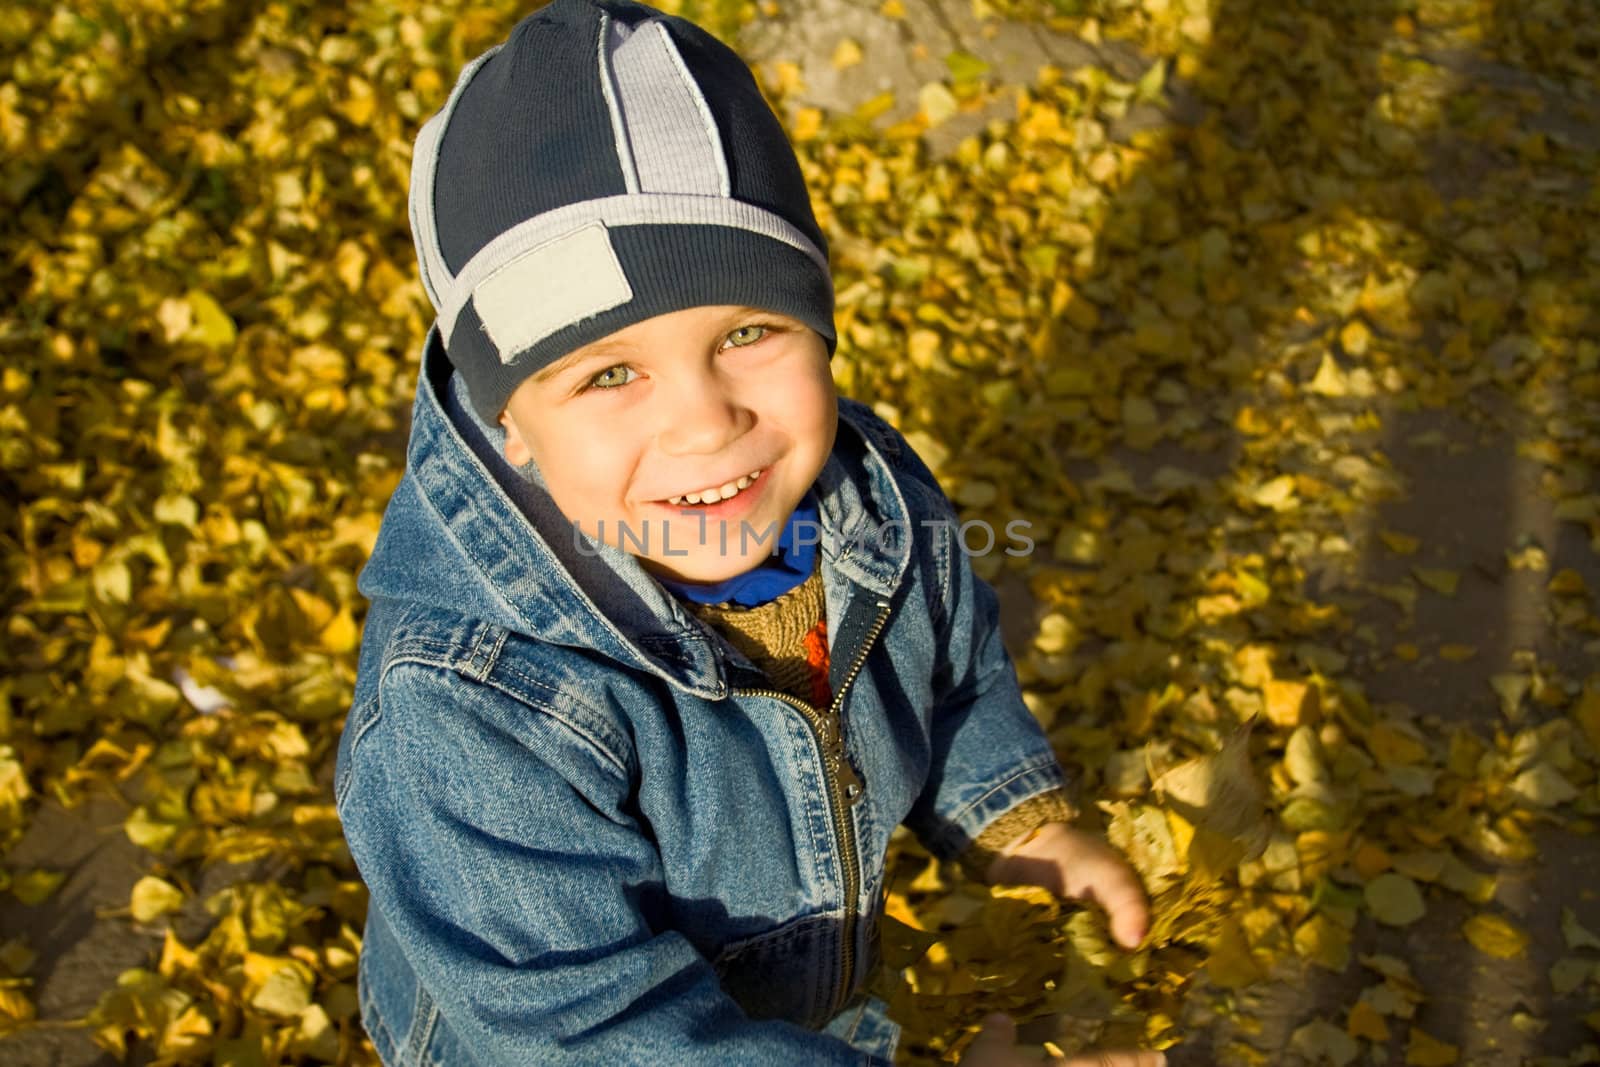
{"x":716,"y":494}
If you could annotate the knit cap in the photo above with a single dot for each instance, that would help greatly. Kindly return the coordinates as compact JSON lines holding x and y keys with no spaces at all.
{"x":606,"y":164}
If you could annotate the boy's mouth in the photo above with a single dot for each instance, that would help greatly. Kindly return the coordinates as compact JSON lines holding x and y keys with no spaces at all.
{"x":717,"y":493}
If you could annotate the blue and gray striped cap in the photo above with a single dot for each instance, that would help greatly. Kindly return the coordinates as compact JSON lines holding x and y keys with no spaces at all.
{"x":606,"y":164}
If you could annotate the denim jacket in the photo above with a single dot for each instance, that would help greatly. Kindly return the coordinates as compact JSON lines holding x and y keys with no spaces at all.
{"x":591,"y":830}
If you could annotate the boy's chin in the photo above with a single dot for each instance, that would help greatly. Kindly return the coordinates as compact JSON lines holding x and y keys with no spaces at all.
{"x":702,"y":571}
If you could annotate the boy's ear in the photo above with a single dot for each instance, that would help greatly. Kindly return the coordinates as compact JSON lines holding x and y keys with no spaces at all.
{"x":517,"y":453}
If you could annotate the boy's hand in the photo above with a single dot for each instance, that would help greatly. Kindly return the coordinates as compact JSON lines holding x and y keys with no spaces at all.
{"x":1071,"y":863}
{"x":996,"y":1046}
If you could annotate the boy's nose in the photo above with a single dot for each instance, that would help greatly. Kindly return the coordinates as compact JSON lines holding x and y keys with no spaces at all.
{"x":701,"y":417}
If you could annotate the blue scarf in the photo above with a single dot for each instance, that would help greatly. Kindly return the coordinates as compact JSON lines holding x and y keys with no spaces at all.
{"x":777,"y":574}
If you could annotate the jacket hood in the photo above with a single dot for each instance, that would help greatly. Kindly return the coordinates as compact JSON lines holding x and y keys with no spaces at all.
{"x":468,"y":533}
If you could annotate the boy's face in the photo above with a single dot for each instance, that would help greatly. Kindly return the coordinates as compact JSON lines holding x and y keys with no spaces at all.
{"x":631,"y":430}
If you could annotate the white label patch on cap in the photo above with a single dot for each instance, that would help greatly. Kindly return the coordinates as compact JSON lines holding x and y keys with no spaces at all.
{"x":547,"y":288}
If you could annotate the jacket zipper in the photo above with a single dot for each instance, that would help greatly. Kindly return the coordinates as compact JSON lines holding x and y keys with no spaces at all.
{"x":845,"y":790}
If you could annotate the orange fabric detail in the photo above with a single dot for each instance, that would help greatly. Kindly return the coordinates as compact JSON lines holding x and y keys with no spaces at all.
{"x":816,"y":643}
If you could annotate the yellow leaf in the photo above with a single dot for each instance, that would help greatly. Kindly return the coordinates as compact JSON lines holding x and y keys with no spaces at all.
{"x":1543,"y":786}
{"x":1228,"y":960}
{"x":341,"y":634}
{"x":1355,"y":337}
{"x":1392,"y":745}
{"x":1495,"y":936}
{"x":807,"y":124}
{"x":316,"y":1037}
{"x":1511,"y":688}
{"x":1570,"y":972}
{"x":1277,"y":493}
{"x":1367,"y":1022}
{"x":153,"y":897}
{"x":1440,"y":581}
{"x":35,"y":886}
{"x":113,"y":582}
{"x":1394,"y":899}
{"x":147,"y":832}
{"x":1148,"y":87}
{"x":1329,"y":380}
{"x":176,"y":957}
{"x":176,"y":509}
{"x":1460,"y":878}
{"x":921,"y":348}
{"x":15,"y":1008}
{"x":1457,"y":653}
{"x":1290,"y":704}
{"x":1425,"y":1051}
{"x":846,"y":54}
{"x":937,"y":103}
{"x":211,"y":326}
{"x":1324,"y":942}
{"x":1576,"y":935}
{"x":1400,"y":544}
{"x":1221,"y":794}
{"x":1568,"y":582}
{"x":286,"y":988}
{"x":874,"y":107}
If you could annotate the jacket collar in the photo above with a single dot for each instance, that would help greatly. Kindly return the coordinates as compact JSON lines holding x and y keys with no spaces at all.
{"x":468,"y":533}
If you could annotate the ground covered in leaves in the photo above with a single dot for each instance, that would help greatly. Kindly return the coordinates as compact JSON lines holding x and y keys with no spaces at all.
{"x":1279,"y":325}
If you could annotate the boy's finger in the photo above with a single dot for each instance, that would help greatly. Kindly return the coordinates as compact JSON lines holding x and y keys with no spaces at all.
{"x":1123,"y":898}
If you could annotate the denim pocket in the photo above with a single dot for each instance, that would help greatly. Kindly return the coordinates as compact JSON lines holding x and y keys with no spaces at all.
{"x":787,"y":973}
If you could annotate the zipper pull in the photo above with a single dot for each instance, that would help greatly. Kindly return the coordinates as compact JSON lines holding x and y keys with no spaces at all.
{"x":854,"y":787}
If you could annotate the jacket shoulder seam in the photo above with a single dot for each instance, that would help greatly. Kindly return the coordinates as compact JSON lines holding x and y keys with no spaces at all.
{"x":587,"y":732}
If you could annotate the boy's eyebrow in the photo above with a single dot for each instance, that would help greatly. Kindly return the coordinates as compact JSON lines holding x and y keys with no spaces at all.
{"x":581,"y":355}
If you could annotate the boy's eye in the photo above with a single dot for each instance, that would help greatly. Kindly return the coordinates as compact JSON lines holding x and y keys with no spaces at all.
{"x":746,"y":335}
{"x":612,"y":377}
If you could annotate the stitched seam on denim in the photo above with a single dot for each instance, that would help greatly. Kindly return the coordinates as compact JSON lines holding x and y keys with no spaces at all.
{"x":1027,"y":769}
{"x":942,"y":536}
{"x":410,"y":648}
{"x":794,"y":928}
{"x":855,"y":1026}
{"x":449,"y":652}
{"x":466,"y":550}
{"x":421,"y":1028}
{"x":602,"y":745}
{"x":474,"y":670}
{"x":365,"y":722}
{"x":378,"y":1031}
{"x":867,"y":438}
{"x":417,"y":639}
{"x":373,"y":1018}
{"x":598,"y":744}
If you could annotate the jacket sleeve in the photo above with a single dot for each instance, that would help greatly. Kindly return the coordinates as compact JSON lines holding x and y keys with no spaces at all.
{"x":994,"y":776}
{"x":496,"y":842}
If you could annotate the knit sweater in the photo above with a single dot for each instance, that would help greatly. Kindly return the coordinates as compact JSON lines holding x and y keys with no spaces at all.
{"x":787,"y":638}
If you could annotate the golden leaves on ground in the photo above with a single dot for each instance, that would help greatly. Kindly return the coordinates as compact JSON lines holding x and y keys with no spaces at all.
{"x":1216,"y":552}
{"x":209,"y":362}
{"x":1180,"y":349}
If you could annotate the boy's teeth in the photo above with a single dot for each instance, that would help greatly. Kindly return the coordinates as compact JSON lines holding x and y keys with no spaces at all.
{"x":722,"y":492}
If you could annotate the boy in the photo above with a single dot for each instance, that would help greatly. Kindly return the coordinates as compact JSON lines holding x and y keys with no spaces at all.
{"x":665,"y":640}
